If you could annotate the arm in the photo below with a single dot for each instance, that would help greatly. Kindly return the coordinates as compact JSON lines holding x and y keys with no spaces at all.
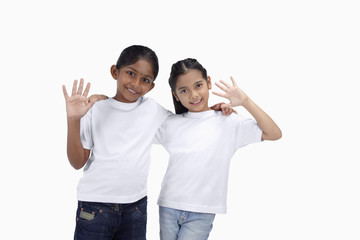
{"x":238,"y":98}
{"x":77,"y":105}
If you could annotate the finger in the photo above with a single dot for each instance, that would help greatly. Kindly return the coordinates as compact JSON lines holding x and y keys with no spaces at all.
{"x":93,"y":99}
{"x":81,"y":86}
{"x":226,"y":110}
{"x":225,"y":83}
{"x":65,"y":92}
{"x":87,"y":89}
{"x":221,"y":87}
{"x":220,"y":94}
{"x":233,"y":81}
{"x":74,"y":88}
{"x":216,"y":107}
{"x":225,"y":106}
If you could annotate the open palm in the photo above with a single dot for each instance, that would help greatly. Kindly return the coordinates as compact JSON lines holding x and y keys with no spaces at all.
{"x":77,"y":105}
{"x":233,"y":93}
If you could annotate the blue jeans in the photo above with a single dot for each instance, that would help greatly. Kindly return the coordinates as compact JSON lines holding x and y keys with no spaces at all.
{"x":100,"y":221}
{"x":183,"y":225}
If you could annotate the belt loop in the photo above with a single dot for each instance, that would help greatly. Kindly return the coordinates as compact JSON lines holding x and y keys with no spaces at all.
{"x":116,"y":207}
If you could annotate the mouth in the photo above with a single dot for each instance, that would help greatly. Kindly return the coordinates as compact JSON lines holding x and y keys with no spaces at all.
{"x":196,"y":103}
{"x":132,"y":91}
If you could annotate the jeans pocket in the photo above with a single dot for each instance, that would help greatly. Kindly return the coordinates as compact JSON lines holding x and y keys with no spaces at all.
{"x":139,"y":219}
{"x":140,"y":212}
{"x":88,"y":213}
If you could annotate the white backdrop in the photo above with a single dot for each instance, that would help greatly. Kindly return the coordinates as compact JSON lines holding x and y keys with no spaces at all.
{"x":298,"y":60}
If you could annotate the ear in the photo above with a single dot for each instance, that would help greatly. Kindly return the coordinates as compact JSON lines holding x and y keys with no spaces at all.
{"x":176,"y":97}
{"x":209,"y":82}
{"x":114,"y":72}
{"x":151,"y":86}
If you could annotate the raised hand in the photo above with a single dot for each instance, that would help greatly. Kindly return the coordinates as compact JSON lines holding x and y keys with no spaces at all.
{"x":77,"y":105}
{"x":233,"y":93}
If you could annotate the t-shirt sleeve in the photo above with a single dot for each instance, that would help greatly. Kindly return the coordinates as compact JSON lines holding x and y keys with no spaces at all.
{"x":85,"y":131}
{"x":163,"y":114}
{"x":158,"y":139}
{"x":247,"y":131}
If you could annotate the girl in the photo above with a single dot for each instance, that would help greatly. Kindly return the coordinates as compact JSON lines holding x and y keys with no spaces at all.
{"x":200,"y":143}
{"x":113,"y":138}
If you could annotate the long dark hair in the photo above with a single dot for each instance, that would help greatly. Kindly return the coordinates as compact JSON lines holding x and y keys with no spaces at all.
{"x":134,"y":53}
{"x":179,"y":68}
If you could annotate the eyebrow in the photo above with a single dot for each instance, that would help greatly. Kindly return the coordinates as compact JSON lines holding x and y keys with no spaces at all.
{"x":197,"y":82}
{"x":145,"y":75}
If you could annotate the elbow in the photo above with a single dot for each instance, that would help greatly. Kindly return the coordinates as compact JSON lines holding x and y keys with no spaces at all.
{"x":273,"y":136}
{"x":76,"y":164}
{"x":278,"y":135}
{"x":78,"y":159}
{"x":76,"y":167}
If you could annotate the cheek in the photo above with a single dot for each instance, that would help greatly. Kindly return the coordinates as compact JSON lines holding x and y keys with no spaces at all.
{"x":182,"y":99}
{"x":206,"y":93}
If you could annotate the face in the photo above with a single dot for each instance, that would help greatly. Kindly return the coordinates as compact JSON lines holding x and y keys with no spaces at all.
{"x":192,"y":90}
{"x":133,"y":81}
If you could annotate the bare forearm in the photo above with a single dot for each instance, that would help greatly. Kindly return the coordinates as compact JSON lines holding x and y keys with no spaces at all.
{"x":75,"y":151}
{"x":270,"y":130}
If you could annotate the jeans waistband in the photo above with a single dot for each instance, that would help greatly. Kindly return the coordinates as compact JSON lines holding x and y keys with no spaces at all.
{"x":117,"y":206}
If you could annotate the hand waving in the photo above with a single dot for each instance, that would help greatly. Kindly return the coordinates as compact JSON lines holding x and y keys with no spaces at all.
{"x":77,"y":105}
{"x":233,"y":93}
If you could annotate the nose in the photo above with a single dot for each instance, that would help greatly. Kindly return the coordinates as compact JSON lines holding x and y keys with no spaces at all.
{"x":136,"y":82}
{"x":194,"y":94}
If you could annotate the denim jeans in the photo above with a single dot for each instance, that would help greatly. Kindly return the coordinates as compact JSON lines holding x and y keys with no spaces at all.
{"x":183,"y":225}
{"x":100,"y":221}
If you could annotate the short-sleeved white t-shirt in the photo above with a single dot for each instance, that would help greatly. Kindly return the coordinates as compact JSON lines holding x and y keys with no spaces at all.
{"x":119,"y":136}
{"x":200,"y":146}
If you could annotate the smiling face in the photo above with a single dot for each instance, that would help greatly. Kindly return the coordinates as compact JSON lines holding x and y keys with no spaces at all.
{"x":133,"y":81}
{"x":192,"y":90}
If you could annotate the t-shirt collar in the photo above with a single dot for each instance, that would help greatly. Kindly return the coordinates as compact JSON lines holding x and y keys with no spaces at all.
{"x":204,"y":114}
{"x":125,"y":106}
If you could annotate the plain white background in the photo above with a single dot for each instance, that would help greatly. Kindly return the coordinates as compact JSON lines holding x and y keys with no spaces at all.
{"x":298,"y":60}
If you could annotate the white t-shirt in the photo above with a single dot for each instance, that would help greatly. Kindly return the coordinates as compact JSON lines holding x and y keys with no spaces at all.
{"x":120,"y":136}
{"x":200,"y":146}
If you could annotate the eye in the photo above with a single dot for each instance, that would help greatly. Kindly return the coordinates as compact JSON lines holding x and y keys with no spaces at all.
{"x":145,"y":80}
{"x":199,"y":85}
{"x":183,"y":91}
{"x":130,"y":73}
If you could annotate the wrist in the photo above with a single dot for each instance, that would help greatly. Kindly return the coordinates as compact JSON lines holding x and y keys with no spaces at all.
{"x":73,"y":119}
{"x":247,"y":103}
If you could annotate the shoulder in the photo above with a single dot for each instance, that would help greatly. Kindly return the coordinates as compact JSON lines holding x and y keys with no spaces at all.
{"x":102,"y":105}
{"x":103,"y":102}
{"x":149,"y":102}
{"x":173,"y":119}
{"x":232,"y":120}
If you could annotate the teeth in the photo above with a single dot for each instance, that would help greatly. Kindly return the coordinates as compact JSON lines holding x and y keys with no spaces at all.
{"x":197,"y":101}
{"x":132,"y":91}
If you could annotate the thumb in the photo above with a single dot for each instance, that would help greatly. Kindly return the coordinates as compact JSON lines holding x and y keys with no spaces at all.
{"x":92,"y":100}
